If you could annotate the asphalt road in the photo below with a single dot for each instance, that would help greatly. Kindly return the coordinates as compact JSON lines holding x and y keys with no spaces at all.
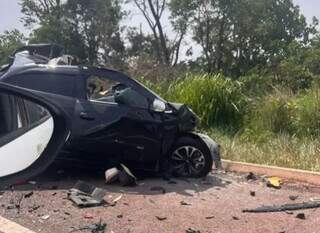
{"x":211,"y":205}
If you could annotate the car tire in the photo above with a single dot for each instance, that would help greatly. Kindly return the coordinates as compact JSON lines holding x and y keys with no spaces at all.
{"x":189,"y":157}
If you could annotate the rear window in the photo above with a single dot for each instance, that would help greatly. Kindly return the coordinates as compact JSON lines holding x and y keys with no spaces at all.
{"x":51,"y":83}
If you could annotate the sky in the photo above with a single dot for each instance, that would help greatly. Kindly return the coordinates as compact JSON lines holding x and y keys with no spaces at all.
{"x":10,"y":14}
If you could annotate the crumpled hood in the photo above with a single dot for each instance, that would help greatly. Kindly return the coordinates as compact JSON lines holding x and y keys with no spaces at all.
{"x":188,"y":120}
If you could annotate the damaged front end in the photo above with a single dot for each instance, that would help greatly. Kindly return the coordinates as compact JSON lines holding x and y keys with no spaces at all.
{"x":187,"y":124}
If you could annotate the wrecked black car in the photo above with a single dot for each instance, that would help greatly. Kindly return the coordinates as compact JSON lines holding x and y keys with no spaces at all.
{"x":94,"y":116}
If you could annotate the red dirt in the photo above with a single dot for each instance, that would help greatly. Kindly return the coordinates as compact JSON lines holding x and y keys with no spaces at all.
{"x":211,"y":206}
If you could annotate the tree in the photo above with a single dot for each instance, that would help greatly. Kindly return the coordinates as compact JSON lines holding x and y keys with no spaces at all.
{"x":237,"y":35}
{"x":167,"y":51}
{"x":88,"y":29}
{"x":9,"y":42}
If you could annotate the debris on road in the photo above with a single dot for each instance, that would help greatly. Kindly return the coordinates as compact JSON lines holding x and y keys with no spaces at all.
{"x":252,"y":193}
{"x":86,"y":195}
{"x":301,"y":216}
{"x":274,"y":182}
{"x":251,"y":176}
{"x":112,"y":175}
{"x":190,"y":230}
{"x":33,"y":208}
{"x":94,"y":228}
{"x":293,"y":198}
{"x":28,"y":194}
{"x":45,"y":217}
{"x":285,"y":207}
{"x":158,"y":188}
{"x":88,"y":216}
{"x":125,"y":176}
{"x":116,"y":199}
{"x":161,"y":218}
{"x":235,"y":218}
{"x":209,"y":217}
{"x":184,"y":203}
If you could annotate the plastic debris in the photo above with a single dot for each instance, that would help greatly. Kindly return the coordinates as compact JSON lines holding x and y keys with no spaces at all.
{"x":45,"y":217}
{"x":112,"y":175}
{"x":126,"y":177}
{"x":274,"y":182}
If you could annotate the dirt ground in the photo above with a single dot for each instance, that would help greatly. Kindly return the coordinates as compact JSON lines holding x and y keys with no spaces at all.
{"x":211,"y":205}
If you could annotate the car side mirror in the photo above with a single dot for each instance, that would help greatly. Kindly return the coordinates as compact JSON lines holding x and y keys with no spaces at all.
{"x":158,"y":106}
{"x":32,"y":131}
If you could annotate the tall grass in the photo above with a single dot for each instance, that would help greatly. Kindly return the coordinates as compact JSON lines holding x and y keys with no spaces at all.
{"x":218,"y":101}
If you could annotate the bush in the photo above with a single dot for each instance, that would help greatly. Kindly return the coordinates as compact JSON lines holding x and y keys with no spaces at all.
{"x":307,"y":114}
{"x":218,"y":101}
{"x":271,"y":115}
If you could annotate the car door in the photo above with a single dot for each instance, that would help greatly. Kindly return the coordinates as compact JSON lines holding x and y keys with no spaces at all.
{"x":32,"y":132}
{"x":105,"y":127}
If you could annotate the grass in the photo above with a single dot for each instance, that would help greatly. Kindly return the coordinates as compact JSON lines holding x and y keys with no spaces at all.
{"x":282,"y":151}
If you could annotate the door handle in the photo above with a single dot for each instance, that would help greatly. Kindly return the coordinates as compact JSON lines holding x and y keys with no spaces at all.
{"x":86,"y":116}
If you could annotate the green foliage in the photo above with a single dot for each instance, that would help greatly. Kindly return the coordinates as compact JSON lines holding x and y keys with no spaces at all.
{"x":271,"y":115}
{"x":9,"y":42}
{"x":307,"y":114}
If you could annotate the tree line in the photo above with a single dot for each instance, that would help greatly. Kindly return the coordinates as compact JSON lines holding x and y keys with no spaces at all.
{"x":236,"y":37}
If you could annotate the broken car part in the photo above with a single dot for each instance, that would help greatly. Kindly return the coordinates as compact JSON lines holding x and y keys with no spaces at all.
{"x":86,"y":195}
{"x":32,"y":131}
{"x":113,"y":118}
{"x":285,"y":207}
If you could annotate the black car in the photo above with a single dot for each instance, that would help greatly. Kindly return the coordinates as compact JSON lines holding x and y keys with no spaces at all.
{"x":108,"y":117}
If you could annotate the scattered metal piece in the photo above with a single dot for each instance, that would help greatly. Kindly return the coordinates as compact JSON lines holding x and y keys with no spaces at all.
{"x":158,"y":188}
{"x":235,"y":218}
{"x":301,"y":216}
{"x":210,"y":217}
{"x":119,"y":216}
{"x":86,"y":195}
{"x":285,"y":207}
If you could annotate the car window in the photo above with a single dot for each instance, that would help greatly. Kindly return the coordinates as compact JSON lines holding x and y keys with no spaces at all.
{"x":106,"y":90}
{"x":51,"y":83}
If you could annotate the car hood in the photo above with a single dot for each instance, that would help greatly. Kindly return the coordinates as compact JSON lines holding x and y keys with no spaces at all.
{"x":188,"y":120}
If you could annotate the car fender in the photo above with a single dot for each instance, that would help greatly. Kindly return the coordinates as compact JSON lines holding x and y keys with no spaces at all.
{"x":213,"y":146}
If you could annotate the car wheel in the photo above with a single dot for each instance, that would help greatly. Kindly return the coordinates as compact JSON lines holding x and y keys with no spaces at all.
{"x":189,"y":157}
